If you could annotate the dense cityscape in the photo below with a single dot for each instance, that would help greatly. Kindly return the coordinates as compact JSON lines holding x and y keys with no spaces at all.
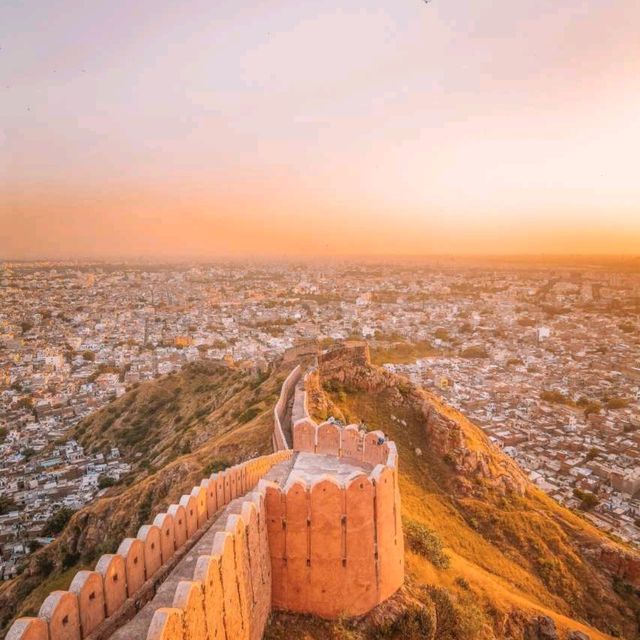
{"x":545,"y":359}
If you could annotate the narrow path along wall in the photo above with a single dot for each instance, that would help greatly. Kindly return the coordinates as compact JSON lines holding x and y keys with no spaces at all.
{"x":320,"y":534}
{"x":100,"y":601}
{"x":281,"y":409}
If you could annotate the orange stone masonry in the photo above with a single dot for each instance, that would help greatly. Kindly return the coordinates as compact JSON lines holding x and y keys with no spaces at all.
{"x":321,"y":535}
{"x":96,"y":596}
{"x":337,"y":549}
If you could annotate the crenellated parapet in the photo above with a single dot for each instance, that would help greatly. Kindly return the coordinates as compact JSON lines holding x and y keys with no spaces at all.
{"x":313,"y":528}
{"x":228,"y":594}
{"x":335,"y":530}
{"x":99,"y":601}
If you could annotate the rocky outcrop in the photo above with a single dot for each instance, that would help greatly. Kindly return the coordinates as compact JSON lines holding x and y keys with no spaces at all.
{"x":541,"y":628}
{"x":620,"y":564}
{"x":446,"y":431}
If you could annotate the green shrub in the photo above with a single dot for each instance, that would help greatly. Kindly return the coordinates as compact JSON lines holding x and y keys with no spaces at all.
{"x":215,"y":466}
{"x":249,"y":414}
{"x":425,"y":542}
{"x":414,"y":623}
{"x":57,"y":522}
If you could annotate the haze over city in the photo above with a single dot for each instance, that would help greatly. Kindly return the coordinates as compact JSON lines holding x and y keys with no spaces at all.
{"x":319,"y":129}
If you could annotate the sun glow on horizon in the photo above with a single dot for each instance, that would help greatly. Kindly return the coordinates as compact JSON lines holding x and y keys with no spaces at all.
{"x":285,"y":130}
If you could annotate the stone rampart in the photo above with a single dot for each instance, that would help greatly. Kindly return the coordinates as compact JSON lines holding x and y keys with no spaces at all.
{"x":280,"y":410}
{"x":213,"y":565}
{"x":337,"y":549}
{"x":124,"y":581}
{"x":229,"y":593}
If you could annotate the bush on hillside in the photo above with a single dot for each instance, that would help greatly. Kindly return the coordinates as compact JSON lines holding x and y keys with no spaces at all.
{"x":414,"y":623}
{"x":425,"y":542}
{"x":57,"y":522}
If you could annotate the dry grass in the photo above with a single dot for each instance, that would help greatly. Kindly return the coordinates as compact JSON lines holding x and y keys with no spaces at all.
{"x":511,"y":552}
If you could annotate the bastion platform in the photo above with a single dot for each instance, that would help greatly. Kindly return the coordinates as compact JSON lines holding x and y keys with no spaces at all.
{"x":313,"y":528}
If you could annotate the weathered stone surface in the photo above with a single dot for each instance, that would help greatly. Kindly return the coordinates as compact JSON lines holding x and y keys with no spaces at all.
{"x":200,"y":495}
{"x":164,"y":522}
{"x":179,"y":515}
{"x":223,"y":546}
{"x":28,"y":629}
{"x":114,"y":578}
{"x":304,"y":436}
{"x":328,"y":439}
{"x":326,"y":577}
{"x":207,"y":572}
{"x":190,"y":505}
{"x":167,"y":624}
{"x":189,"y":599}
{"x":360,"y":593}
{"x":88,"y":586}
{"x":151,"y":536}
{"x":132,"y":550}
{"x":60,"y":610}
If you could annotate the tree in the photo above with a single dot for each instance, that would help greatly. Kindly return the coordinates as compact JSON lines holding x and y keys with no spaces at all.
{"x":587,"y":499}
{"x":58,"y":521}
{"x":7,"y":505}
{"x":105,"y":481}
{"x":26,"y":326}
{"x":28,"y":453}
{"x":592,"y":455}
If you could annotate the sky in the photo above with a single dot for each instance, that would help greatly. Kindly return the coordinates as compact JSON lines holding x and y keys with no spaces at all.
{"x":156,"y":129}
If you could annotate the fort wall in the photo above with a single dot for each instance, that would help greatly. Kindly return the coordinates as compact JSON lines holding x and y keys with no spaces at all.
{"x":123,"y":582}
{"x":213,"y":565}
{"x":337,"y":549}
{"x":280,"y":409}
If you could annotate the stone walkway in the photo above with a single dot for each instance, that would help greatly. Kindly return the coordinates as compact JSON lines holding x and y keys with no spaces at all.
{"x":311,"y":466}
{"x":138,"y":626}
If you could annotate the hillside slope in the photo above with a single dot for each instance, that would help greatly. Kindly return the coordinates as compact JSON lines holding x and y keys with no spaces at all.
{"x":175,"y":431}
{"x":512,"y":561}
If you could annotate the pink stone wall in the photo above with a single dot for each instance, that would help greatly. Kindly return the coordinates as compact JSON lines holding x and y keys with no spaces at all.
{"x":352,"y":442}
{"x":209,"y":487}
{"x":288,"y":388}
{"x":88,"y":587}
{"x":390,"y":542}
{"x":328,"y":439}
{"x":28,"y":629}
{"x":376,"y":450}
{"x":112,"y":569}
{"x":189,"y":598}
{"x":164,"y":522}
{"x":167,"y":624}
{"x":335,"y":550}
{"x":132,"y":550}
{"x":237,"y":573}
{"x":207,"y":572}
{"x":179,"y":515}
{"x":151,"y":536}
{"x":191,"y":511}
{"x":304,"y":436}
{"x":61,"y":612}
{"x":200,"y":495}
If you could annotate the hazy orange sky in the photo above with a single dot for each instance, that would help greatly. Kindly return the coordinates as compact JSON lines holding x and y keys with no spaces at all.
{"x":204,"y":129}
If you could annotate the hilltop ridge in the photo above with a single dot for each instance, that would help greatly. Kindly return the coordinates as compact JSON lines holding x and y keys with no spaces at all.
{"x":488,"y":555}
{"x":514,"y":554}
